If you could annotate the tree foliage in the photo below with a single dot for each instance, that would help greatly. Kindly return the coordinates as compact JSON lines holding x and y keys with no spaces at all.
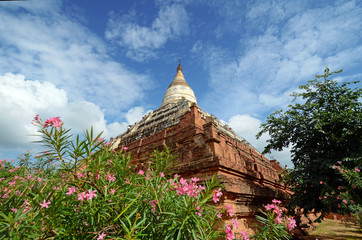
{"x":323,"y":128}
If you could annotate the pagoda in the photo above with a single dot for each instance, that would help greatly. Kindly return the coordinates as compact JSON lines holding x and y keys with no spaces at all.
{"x":205,"y":146}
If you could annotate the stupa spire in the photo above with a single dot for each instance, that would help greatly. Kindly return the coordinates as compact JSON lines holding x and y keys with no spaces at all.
{"x":178,"y":89}
{"x":179,"y":68}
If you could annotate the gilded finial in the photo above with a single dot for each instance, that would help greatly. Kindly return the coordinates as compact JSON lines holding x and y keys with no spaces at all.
{"x":179,"y":68}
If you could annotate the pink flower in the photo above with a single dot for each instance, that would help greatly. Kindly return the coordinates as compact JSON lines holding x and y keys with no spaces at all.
{"x":12,"y":183}
{"x":344,"y":201}
{"x":194,"y":179}
{"x":245,"y":236}
{"x":44,"y":204}
{"x":162,"y":174}
{"x":81,"y":196}
{"x":216,"y":195}
{"x":275,"y":201}
{"x":71,"y":190}
{"x":101,"y":236}
{"x":36,"y":118}
{"x":147,"y":177}
{"x":125,"y":148}
{"x":291,"y":224}
{"x":357,"y":170}
{"x":91,"y":194}
{"x":14,"y":210}
{"x":55,"y":122}
{"x":229,"y":233}
{"x":141,"y":172}
{"x":230,"y":210}
{"x":219,"y":215}
{"x":278,"y":219}
{"x":321,"y":182}
{"x":235,"y":223}
{"x":153,"y":205}
{"x":113,"y":191}
{"x":110,"y":177}
{"x":270,"y":206}
{"x":80,"y":175}
{"x":183,"y":181}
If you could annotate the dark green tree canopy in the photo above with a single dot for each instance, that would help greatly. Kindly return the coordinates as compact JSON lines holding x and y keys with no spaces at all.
{"x":322,"y":127}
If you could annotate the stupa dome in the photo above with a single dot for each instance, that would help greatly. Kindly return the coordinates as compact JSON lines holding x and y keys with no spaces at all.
{"x":178,"y":89}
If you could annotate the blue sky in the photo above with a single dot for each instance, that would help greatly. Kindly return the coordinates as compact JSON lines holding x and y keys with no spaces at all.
{"x":106,"y":63}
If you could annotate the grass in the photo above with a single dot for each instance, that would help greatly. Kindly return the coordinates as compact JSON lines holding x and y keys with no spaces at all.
{"x":335,"y":229}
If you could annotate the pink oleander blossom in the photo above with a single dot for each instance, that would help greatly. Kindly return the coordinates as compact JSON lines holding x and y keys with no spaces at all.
{"x":276,"y":201}
{"x":291,"y":224}
{"x":278,"y":219}
{"x":162,"y":174}
{"x":357,"y":170}
{"x":229,"y":233}
{"x":194,"y":179}
{"x":44,"y":204}
{"x":81,"y":196}
{"x":91,"y":194}
{"x":183,"y":181}
{"x":141,"y":172}
{"x":71,"y":190}
{"x":245,"y":236}
{"x":219,"y":215}
{"x":55,"y":122}
{"x":270,"y":206}
{"x":101,"y":236}
{"x":36,"y":118}
{"x":112,"y":191}
{"x":230,"y":210}
{"x":12,"y":183}
{"x":110,"y":177}
{"x":153,"y":205}
{"x":216,"y":195}
{"x":190,"y":189}
{"x":235,"y":223}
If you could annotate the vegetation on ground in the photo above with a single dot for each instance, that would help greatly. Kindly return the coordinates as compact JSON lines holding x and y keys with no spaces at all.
{"x":335,"y":230}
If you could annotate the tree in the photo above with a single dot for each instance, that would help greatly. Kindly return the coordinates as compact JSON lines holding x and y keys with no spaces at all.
{"x":323,"y":128}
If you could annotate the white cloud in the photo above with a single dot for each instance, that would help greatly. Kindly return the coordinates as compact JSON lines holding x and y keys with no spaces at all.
{"x":247,"y":127}
{"x":259,"y":77}
{"x":135,"y":114}
{"x":142,"y":42}
{"x":22,"y":99}
{"x":42,"y":42}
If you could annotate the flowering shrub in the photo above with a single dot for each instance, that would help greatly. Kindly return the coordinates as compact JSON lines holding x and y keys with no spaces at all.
{"x":81,"y":189}
{"x":347,"y":197}
{"x":274,"y":223}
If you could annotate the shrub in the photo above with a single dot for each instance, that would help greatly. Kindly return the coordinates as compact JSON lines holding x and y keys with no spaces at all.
{"x":79,"y":188}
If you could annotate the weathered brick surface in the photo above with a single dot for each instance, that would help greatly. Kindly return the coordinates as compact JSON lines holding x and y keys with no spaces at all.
{"x":205,"y":146}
